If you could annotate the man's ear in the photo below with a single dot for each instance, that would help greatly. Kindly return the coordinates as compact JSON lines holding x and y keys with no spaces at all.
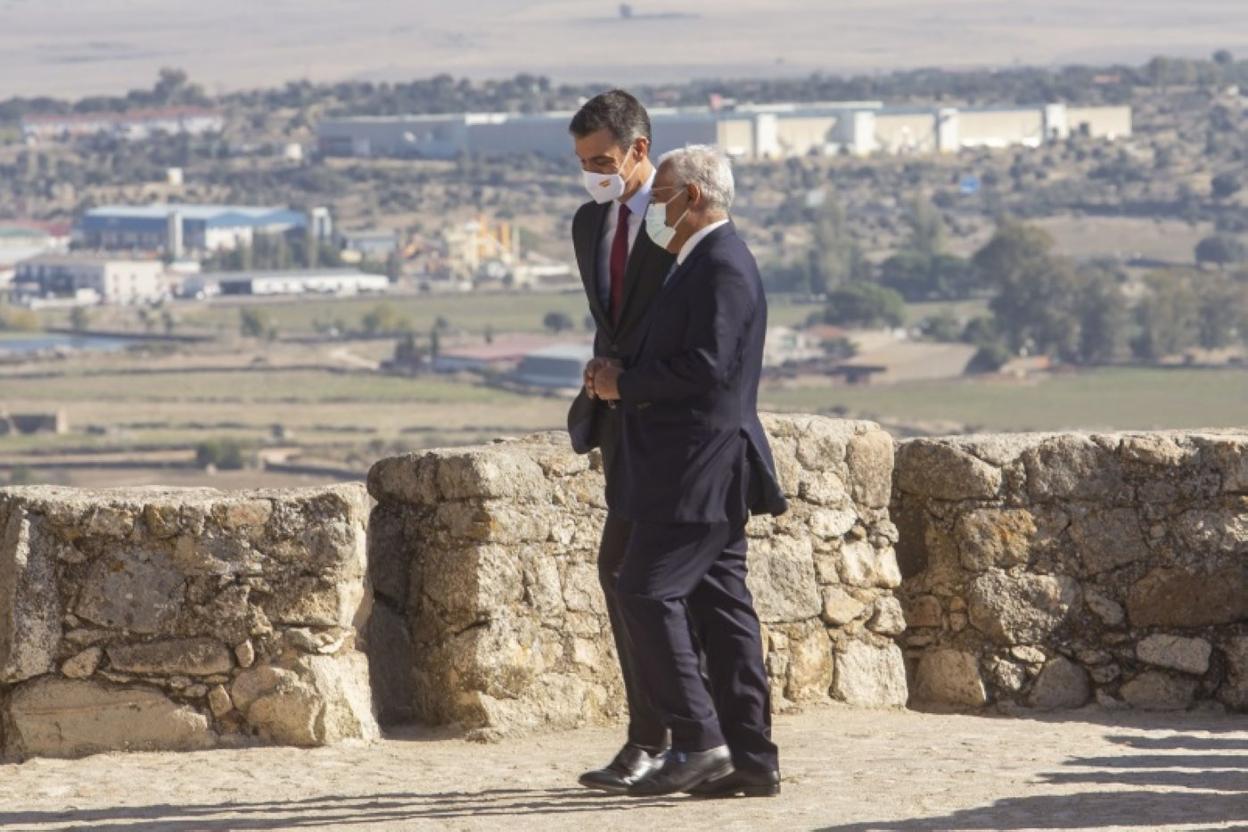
{"x":695,"y":195}
{"x":642,"y":145}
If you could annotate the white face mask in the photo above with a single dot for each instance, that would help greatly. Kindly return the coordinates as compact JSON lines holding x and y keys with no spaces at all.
{"x":657,"y":228}
{"x":604,"y":187}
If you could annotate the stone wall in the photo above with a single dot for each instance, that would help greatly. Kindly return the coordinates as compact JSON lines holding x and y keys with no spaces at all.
{"x":180,"y":619}
{"x":488,"y":611}
{"x":1051,"y":571}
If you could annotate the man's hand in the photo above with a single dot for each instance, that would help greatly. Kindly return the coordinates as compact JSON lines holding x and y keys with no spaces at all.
{"x":607,"y":381}
{"x":591,"y":370}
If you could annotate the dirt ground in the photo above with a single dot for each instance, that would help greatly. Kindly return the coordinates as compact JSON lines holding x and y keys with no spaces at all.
{"x":845,"y":771}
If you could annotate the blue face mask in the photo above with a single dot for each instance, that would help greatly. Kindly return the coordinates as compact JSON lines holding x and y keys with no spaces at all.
{"x":657,"y":228}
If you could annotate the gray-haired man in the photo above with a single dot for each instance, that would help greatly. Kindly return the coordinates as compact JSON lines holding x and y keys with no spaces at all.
{"x":694,"y":463}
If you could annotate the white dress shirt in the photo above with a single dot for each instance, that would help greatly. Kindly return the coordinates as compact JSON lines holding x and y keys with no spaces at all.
{"x":637,"y":204}
{"x":693,"y":241}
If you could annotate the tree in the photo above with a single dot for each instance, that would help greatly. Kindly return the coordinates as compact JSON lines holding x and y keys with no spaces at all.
{"x":1167,"y":318}
{"x":80,"y":319}
{"x":255,"y":323}
{"x":557,"y":322}
{"x":988,"y":359}
{"x":1103,"y":317}
{"x":927,"y":229}
{"x":835,"y":257}
{"x":1225,"y":185}
{"x":1011,"y":248}
{"x":1221,"y":250}
{"x":865,"y":305}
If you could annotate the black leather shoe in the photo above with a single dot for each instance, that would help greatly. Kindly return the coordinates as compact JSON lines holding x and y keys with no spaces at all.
{"x":682,"y":770}
{"x":630,"y":765}
{"x":741,"y":782}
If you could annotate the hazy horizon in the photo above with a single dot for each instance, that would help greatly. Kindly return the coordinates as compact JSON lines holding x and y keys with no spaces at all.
{"x":86,"y":47}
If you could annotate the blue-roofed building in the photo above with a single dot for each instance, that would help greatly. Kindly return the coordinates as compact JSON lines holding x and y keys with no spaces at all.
{"x":175,"y":228}
{"x":557,"y":367}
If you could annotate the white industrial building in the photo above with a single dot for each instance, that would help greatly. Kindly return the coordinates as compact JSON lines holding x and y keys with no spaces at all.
{"x":176,"y":228}
{"x":131,"y":125}
{"x":295,"y":282}
{"x":90,"y":278}
{"x":747,"y":131}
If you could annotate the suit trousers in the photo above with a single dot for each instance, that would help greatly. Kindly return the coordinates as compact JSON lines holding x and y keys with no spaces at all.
{"x":678,"y":579}
{"x":645,"y":725}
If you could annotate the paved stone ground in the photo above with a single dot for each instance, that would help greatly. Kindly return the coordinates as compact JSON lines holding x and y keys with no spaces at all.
{"x":845,"y":771}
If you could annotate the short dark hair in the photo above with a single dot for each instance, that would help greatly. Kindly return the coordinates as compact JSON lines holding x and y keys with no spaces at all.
{"x":617,"y":111}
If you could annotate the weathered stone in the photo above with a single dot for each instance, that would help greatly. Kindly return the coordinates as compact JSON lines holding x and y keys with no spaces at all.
{"x":887,"y":619}
{"x":1172,"y":597}
{"x":809,"y":668}
{"x":1190,"y":655}
{"x":938,"y":470}
{"x":870,"y":676}
{"x":314,"y":601}
{"x":30,"y":620}
{"x":1103,"y":674}
{"x":924,"y":611}
{"x":1026,"y":653}
{"x":1071,"y":466}
{"x":82,"y":664}
{"x":341,"y":682}
{"x":870,"y":460}
{"x":138,"y":590}
{"x":1061,"y":684}
{"x":245,"y":652}
{"x":782,"y":579}
{"x":995,"y":537}
{"x":1006,"y":675}
{"x":251,"y":684}
{"x":289,"y":715}
{"x":1234,"y":691}
{"x":219,"y":701}
{"x":1224,"y":531}
{"x":1108,"y":539}
{"x":1021,"y":609}
{"x":1157,"y":691}
{"x":1110,"y":612}
{"x":831,"y":523}
{"x":949,"y":677}
{"x":863,"y":565}
{"x":189,"y":656}
{"x":55,"y":717}
{"x":839,"y":607}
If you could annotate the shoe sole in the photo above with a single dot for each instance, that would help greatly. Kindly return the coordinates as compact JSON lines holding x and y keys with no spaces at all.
{"x":599,"y":787}
{"x":769,"y":790}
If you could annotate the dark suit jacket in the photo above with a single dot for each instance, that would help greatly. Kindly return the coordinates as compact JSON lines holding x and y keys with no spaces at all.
{"x":693,"y":449}
{"x":591,"y":423}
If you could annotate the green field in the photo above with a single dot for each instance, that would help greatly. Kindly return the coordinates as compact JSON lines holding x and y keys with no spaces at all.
{"x":475,"y":313}
{"x":279,"y":385}
{"x":1098,"y":399}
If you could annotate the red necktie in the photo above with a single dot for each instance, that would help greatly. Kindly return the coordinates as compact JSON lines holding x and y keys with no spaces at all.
{"x":619,"y":262}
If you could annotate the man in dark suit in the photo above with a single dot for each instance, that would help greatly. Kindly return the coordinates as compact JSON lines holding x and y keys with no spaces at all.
{"x":622,"y":271}
{"x":693,"y":464}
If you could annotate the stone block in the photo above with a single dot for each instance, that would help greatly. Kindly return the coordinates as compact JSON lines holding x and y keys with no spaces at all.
{"x":870,"y":676}
{"x":1062,"y":684}
{"x":1182,"y":597}
{"x":949,"y":677}
{"x":187,"y":656}
{"x":1189,"y":655}
{"x":30,"y":615}
{"x":1022,"y":608}
{"x":54,"y":717}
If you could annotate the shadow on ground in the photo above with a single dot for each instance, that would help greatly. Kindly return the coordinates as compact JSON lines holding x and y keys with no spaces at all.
{"x":1181,"y":780}
{"x":326,"y":811}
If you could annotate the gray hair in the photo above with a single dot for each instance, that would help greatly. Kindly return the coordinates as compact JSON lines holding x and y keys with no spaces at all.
{"x":708,"y":168}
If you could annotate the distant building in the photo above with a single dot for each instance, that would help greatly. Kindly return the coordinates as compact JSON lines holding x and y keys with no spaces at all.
{"x":131,"y":125}
{"x":90,"y":278}
{"x":176,"y":227}
{"x":300,"y":282}
{"x":559,"y":367}
{"x":761,"y":131}
{"x":23,"y":240}
{"x":371,"y":243}
{"x":503,"y":354}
